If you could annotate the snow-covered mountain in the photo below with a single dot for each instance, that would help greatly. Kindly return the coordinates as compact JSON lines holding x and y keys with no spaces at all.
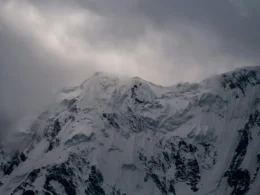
{"x":125,"y":136}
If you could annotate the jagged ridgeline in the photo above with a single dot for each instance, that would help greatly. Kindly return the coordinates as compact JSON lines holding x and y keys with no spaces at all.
{"x":125,"y":136}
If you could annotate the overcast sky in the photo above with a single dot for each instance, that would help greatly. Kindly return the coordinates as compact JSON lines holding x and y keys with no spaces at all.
{"x":48,"y":44}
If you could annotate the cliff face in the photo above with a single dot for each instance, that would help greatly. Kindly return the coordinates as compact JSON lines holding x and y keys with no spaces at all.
{"x":114,"y":135}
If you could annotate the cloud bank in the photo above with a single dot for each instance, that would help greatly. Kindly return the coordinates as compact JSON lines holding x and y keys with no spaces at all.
{"x":46,"y":45}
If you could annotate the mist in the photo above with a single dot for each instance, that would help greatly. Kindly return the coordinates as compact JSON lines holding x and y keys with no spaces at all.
{"x":46,"y":45}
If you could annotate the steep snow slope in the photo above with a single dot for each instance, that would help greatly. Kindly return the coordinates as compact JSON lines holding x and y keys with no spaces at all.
{"x":114,"y":135}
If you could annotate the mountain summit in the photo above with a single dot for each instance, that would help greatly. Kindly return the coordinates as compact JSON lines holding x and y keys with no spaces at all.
{"x":113,"y":135}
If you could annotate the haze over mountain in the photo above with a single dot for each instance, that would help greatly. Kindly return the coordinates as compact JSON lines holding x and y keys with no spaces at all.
{"x":45,"y":45}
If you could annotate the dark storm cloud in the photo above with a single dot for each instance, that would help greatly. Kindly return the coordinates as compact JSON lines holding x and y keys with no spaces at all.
{"x":45,"y":45}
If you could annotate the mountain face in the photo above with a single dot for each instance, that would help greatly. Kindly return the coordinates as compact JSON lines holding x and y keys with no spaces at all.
{"x":126,"y":136}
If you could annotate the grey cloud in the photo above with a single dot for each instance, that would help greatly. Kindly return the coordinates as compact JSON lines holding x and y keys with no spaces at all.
{"x":163,"y":41}
{"x":214,"y":35}
{"x":30,"y":76}
{"x":223,"y":17}
{"x":238,"y":32}
{"x":5,"y":124}
{"x":127,"y":20}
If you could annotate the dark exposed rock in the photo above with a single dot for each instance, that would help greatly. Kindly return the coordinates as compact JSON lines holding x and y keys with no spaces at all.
{"x":187,"y":170}
{"x":62,"y":174}
{"x":56,"y":128}
{"x":14,"y":162}
{"x":139,"y":101}
{"x":241,"y":80}
{"x":52,"y":130}
{"x":79,"y":138}
{"x":172,"y":155}
{"x":94,"y":182}
{"x":72,"y":118}
{"x":23,"y":157}
{"x":53,"y":144}
{"x":29,"y":192}
{"x":133,"y":94}
{"x":257,"y":168}
{"x":240,"y":179}
{"x":105,"y":133}
{"x":28,"y":183}
{"x":161,"y":185}
{"x":116,"y":191}
{"x":74,"y":109}
{"x":112,"y":119}
{"x":33,"y":175}
{"x":66,"y":174}
{"x":69,"y":103}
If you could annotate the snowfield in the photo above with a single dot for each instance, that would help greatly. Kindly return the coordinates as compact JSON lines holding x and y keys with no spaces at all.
{"x":125,"y":136}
